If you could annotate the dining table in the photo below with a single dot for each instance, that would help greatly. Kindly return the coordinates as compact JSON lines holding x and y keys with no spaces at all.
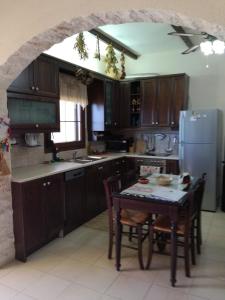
{"x":153,"y":198}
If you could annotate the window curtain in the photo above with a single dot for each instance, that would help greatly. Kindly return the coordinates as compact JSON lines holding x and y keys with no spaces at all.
{"x":73,"y":90}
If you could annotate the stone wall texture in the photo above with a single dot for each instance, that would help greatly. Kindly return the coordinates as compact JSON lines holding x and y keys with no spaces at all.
{"x":31,"y":49}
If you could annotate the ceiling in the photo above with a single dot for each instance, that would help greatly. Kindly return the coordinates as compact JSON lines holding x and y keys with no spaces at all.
{"x":147,"y":38}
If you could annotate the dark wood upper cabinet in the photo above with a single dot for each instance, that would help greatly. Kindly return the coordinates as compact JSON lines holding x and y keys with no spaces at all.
{"x":124,"y":104}
{"x":164,"y":102}
{"x":180,"y":97}
{"x":41,"y":77}
{"x":148,"y":102}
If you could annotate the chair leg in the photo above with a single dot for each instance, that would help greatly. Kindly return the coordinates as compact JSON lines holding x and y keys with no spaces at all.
{"x":193,"y":246}
{"x":199,"y":235}
{"x":140,"y":252}
{"x":111,"y":234}
{"x":150,"y":246}
{"x":130,"y":233}
{"x":186,"y":255}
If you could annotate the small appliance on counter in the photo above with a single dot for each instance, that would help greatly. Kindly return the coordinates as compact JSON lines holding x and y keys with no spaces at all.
{"x":118,"y":144}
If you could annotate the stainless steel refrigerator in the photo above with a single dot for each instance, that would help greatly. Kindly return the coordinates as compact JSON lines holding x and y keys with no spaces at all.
{"x":200,"y":144}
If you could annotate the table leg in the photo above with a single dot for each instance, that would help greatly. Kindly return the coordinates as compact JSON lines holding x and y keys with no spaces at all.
{"x":173,"y":252}
{"x":118,"y":233}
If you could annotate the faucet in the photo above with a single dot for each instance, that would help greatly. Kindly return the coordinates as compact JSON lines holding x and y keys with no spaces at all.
{"x":75,"y":155}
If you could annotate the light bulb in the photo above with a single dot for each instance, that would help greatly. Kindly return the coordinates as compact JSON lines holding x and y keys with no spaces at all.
{"x":206,"y":48}
{"x":218,"y":47}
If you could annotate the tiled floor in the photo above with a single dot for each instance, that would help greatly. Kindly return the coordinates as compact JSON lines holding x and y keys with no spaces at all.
{"x":76,"y":268}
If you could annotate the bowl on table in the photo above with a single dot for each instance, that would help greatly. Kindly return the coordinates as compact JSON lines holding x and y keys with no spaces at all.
{"x":164,"y":180}
{"x":143,"y":180}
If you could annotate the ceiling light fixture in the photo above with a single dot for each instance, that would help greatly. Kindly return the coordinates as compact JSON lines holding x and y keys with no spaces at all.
{"x":215,"y":47}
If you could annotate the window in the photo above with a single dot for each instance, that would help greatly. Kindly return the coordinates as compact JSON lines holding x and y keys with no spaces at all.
{"x":72,"y":116}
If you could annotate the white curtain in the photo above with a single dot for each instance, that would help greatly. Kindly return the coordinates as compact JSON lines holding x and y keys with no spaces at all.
{"x":73,"y":90}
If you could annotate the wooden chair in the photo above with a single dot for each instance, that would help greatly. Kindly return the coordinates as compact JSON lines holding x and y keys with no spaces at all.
{"x":130,"y":218}
{"x":184,"y":227}
{"x":196,"y":215}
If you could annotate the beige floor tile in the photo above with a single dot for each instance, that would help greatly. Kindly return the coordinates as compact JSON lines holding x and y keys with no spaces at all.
{"x":21,"y":296}
{"x":96,"y":278}
{"x":48,"y":287}
{"x":44,"y":262}
{"x":88,"y":254}
{"x":163,"y":293}
{"x":6,"y":292}
{"x":105,"y":297}
{"x":69,"y":269}
{"x":21,"y":278}
{"x":208,"y":288}
{"x":77,"y":292}
{"x":127,"y":287}
{"x":10,"y":267}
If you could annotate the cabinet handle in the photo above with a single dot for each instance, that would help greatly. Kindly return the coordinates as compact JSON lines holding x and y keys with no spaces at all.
{"x":33,"y":88}
{"x":157,"y":123}
{"x":100,"y":168}
{"x":48,"y":183}
{"x":115,"y":123}
{"x":139,"y":160}
{"x":37,"y":88}
{"x":172,"y":123}
{"x":117,"y":172}
{"x":153,"y":123}
{"x":123,"y":161}
{"x":44,"y":184}
{"x":36,"y":125}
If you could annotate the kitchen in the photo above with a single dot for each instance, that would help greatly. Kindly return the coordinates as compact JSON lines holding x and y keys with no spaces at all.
{"x":154,"y":140}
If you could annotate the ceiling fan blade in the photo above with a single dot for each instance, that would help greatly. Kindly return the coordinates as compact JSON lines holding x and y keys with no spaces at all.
{"x":192,"y":49}
{"x":185,"y":34}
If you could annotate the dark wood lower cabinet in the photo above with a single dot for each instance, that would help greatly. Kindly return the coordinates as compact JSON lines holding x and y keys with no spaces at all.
{"x":75,"y":200}
{"x":38,"y":213}
{"x":172,"y":167}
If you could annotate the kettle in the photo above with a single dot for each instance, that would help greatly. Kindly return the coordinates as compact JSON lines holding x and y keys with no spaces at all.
{"x":31,"y":139}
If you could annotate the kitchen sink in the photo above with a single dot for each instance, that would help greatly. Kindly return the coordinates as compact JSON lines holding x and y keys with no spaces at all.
{"x":87,"y":159}
{"x":157,"y":154}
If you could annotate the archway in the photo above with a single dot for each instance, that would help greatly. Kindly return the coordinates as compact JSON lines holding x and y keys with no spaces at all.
{"x":30,"y":50}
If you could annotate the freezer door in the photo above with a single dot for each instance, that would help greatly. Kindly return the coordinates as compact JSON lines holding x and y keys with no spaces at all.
{"x":199,"y":126}
{"x":198,"y":159}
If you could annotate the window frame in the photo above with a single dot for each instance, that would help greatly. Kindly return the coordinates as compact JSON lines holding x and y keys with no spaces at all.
{"x":67,"y":145}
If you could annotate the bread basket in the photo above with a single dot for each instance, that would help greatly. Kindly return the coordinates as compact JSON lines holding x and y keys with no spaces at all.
{"x":164,"y":180}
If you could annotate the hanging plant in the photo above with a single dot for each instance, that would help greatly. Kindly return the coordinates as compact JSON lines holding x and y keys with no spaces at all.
{"x":111,"y":61}
{"x":80,"y":46}
{"x":97,"y":54}
{"x":122,"y":61}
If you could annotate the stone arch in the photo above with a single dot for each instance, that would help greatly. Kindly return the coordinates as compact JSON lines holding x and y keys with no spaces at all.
{"x":31,"y":49}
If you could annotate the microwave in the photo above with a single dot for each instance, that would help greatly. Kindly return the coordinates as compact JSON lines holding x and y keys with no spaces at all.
{"x":117,"y":145}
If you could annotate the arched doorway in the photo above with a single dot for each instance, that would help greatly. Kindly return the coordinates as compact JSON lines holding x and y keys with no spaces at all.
{"x":31,"y":49}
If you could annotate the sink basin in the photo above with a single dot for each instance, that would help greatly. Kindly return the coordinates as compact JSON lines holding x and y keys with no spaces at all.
{"x":87,"y":159}
{"x":157,"y":154}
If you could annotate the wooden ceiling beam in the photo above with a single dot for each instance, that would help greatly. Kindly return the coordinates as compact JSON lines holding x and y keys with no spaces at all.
{"x":188,"y":42}
{"x":115,"y":43}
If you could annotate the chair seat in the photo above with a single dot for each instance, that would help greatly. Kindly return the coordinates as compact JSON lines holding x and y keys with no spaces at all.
{"x":132,"y":217}
{"x":162,"y":223}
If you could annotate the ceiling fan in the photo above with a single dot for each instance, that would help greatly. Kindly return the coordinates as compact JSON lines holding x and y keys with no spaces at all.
{"x":207,"y":37}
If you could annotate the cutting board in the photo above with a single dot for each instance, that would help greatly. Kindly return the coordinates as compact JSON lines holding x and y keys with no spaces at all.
{"x":140,"y":146}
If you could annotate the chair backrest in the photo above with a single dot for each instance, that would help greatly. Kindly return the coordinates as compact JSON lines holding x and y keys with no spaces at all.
{"x":198,"y":196}
{"x":111,"y":184}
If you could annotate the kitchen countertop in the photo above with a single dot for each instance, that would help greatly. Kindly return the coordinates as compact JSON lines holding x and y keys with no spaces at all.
{"x":23,"y":174}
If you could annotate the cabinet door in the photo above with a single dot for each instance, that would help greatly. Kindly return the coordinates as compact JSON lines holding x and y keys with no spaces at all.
{"x":116,"y":105}
{"x":164,"y":101}
{"x":180,"y":97}
{"x":33,"y":212}
{"x":108,"y":104}
{"x":46,"y":77}
{"x":124,"y":107}
{"x":148,"y":102}
{"x":74,"y":201}
{"x":172,"y":167}
{"x":24,"y":83}
{"x":92,"y":200}
{"x":53,"y":204}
